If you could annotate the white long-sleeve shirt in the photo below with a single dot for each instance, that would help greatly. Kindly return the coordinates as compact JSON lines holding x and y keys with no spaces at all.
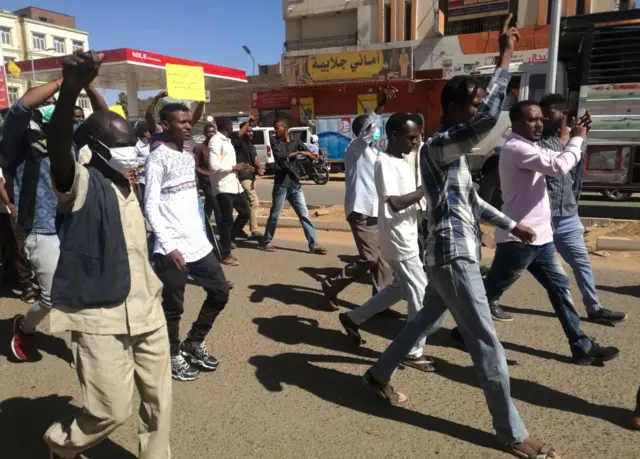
{"x":359,"y":160}
{"x":171,"y":204}
{"x":222,"y":159}
{"x":523,"y":167}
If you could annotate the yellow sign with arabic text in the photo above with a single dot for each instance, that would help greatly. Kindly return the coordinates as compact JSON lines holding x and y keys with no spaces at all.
{"x":367,"y":103}
{"x":307,"y":109}
{"x":395,"y":64}
{"x":185,"y":82}
{"x":119,"y":110}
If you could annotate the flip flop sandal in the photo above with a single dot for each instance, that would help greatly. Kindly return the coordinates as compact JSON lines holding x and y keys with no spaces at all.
{"x":532,"y":449}
{"x":318,"y":250}
{"x":267,"y":248}
{"x":426,"y":364}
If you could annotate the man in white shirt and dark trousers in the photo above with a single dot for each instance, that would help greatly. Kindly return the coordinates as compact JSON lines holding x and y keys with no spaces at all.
{"x":181,"y":247}
{"x":361,"y":207}
{"x":398,"y":235}
{"x":227,"y":188}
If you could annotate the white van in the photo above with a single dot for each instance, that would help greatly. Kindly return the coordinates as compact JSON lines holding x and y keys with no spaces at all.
{"x":262,"y":142}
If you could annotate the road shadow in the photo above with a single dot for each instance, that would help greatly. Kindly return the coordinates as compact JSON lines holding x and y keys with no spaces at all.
{"x":294,"y":330}
{"x":346,"y":390}
{"x":248,"y":244}
{"x":23,"y":422}
{"x":628,"y":290}
{"x":541,"y":395}
{"x":50,"y":344}
{"x":294,"y":295}
{"x":528,"y":311}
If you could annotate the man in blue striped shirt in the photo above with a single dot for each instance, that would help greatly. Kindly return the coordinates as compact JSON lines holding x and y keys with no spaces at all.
{"x":455,"y":282}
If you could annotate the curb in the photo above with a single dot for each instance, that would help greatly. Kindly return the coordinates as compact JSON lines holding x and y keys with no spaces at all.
{"x":611,"y":243}
{"x":321,"y":225}
{"x":617,"y":244}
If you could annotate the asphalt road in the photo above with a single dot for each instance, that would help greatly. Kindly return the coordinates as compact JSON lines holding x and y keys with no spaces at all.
{"x":592,"y":204}
{"x":289,"y":381}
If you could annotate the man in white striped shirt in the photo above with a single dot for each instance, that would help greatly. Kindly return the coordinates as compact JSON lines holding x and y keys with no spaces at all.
{"x":182,"y":248}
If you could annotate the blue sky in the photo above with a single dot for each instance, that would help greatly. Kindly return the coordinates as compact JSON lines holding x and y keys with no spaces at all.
{"x":210,"y":31}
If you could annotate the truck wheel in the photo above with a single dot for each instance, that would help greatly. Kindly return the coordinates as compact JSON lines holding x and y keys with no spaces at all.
{"x":616,"y":195}
{"x":490,"y":188}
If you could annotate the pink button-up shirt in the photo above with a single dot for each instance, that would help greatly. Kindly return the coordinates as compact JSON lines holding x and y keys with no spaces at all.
{"x":523,"y":167}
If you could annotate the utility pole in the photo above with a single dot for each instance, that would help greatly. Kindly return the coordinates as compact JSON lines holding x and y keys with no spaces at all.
{"x":554,"y":41}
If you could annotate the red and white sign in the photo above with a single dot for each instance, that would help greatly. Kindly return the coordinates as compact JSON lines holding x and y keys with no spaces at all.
{"x":4,"y":92}
{"x":114,"y":57}
{"x":278,"y":98}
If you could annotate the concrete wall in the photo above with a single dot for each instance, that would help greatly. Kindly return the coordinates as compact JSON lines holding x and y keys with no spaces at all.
{"x":47,"y":16}
{"x":297,"y":8}
{"x":320,"y":26}
{"x":31,"y":26}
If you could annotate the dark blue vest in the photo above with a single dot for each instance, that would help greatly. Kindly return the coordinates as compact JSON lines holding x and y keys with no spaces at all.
{"x":93,"y":269}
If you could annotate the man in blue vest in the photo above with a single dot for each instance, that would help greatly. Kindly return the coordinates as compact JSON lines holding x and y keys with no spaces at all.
{"x":104,"y":290}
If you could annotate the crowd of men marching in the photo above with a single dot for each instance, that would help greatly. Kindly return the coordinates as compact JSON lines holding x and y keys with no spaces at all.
{"x":77,"y":196}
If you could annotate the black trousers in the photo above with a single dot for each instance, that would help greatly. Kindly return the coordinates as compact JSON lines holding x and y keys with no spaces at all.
{"x":210,"y":202}
{"x":16,"y":269}
{"x":227,"y":227}
{"x":208,"y":274}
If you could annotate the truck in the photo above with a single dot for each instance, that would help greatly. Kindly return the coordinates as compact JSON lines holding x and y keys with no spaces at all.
{"x":335,"y":133}
{"x":599,"y":71}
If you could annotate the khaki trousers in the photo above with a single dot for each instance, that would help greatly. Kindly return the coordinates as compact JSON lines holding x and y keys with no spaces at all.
{"x":249,"y":187}
{"x":108,"y":367}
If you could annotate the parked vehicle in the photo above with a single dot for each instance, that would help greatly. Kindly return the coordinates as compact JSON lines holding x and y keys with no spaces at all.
{"x":316,"y":170}
{"x":335,"y":134}
{"x":599,"y":71}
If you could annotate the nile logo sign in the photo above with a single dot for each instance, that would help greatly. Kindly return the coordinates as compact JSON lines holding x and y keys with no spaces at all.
{"x":144,"y":56}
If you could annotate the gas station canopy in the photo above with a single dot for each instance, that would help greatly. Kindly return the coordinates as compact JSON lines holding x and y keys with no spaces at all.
{"x":132,"y":70}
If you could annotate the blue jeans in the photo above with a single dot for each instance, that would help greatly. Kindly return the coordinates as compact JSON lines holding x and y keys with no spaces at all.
{"x":458,"y":287}
{"x":295,"y":196}
{"x":512,"y":259}
{"x":568,"y":236}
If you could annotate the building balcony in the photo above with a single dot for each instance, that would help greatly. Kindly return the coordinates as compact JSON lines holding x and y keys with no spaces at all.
{"x":321,"y":43}
{"x":474,"y":26}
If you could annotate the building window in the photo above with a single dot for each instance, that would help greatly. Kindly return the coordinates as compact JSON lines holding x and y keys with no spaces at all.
{"x":84,"y":102}
{"x":5,"y":34}
{"x":580,"y":7}
{"x":58,"y":44}
{"x":625,"y":5}
{"x":407,"y":20}
{"x":387,"y":23}
{"x":13,"y":94}
{"x":77,"y":45}
{"x":39,"y":41}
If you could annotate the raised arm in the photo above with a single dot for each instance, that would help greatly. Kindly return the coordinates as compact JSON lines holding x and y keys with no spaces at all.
{"x":448,"y":146}
{"x":78,"y":70}
{"x":98,"y":103}
{"x":150,"y":114}
{"x":549,"y":162}
{"x":197,"y":113}
{"x":17,"y":118}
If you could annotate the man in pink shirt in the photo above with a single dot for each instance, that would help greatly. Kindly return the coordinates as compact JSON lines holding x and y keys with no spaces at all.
{"x":523,"y":167}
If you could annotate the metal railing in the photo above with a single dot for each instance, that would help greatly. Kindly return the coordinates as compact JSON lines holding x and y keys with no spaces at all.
{"x":319,"y":43}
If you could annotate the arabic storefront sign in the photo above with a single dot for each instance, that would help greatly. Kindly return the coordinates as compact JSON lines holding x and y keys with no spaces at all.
{"x":395,"y":63}
{"x":461,"y":10}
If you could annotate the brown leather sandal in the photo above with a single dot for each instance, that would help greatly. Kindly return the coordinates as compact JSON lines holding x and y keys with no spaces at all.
{"x":532,"y":449}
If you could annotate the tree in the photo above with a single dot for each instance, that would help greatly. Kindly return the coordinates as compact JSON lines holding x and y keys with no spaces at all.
{"x":143,"y":104}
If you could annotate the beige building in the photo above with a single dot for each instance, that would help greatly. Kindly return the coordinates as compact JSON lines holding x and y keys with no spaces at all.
{"x":341,"y":26}
{"x":34,"y":33}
